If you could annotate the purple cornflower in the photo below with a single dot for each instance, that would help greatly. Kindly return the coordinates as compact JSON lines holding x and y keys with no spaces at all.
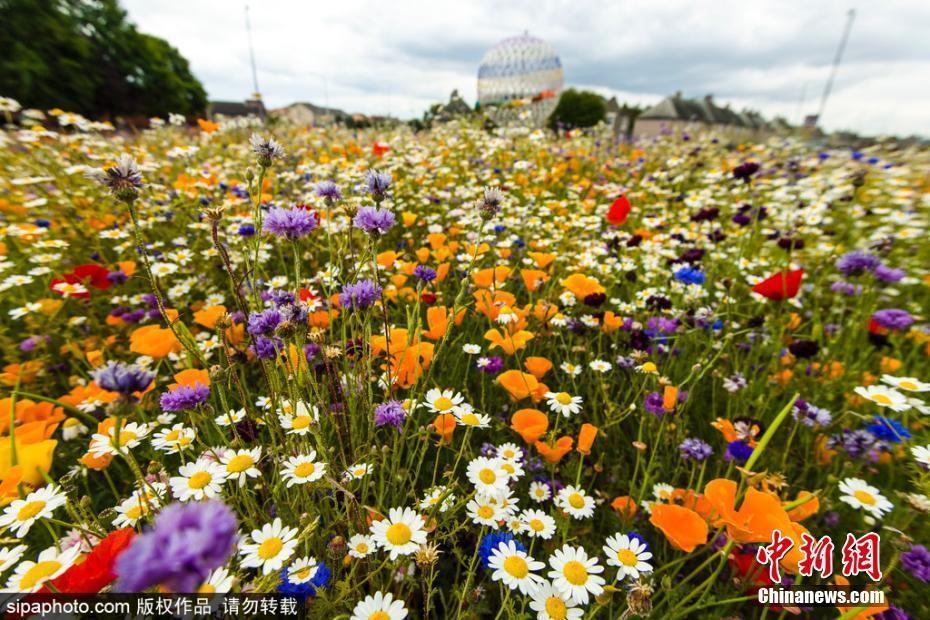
{"x":292,"y":223}
{"x":916,"y":561}
{"x":744,"y":171}
{"x":264,"y":322}
{"x":266,"y":149}
{"x":889,"y":274}
{"x":653,"y":403}
{"x":490,"y":365}
{"x":328,"y":190}
{"x":266,"y":348}
{"x":185,"y":397}
{"x":186,"y":542}
{"x":359,"y":295}
{"x":390,"y":413}
{"x":122,"y":378}
{"x":695,"y":449}
{"x":374,"y":220}
{"x":857,"y":262}
{"x":738,"y":451}
{"x":846,"y":288}
{"x":424,"y":273}
{"x":377,"y":183}
{"x":810,"y":415}
{"x":123,"y":179}
{"x":855,"y":443}
{"x":893,"y":318}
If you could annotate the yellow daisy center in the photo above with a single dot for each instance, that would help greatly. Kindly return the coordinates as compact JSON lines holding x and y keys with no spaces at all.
{"x":30,"y":510}
{"x":487,"y":476}
{"x":398,"y":534}
{"x":575,"y":572}
{"x":907,"y":385}
{"x":301,"y":422}
{"x":40,"y":572}
{"x":537,"y":525}
{"x":485,"y":512}
{"x":865,"y":497}
{"x":516,"y":566}
{"x":627,"y":557}
{"x":361,"y":548}
{"x":575,"y":500}
{"x":470,"y":419}
{"x":304,"y":572}
{"x":379,"y":615}
{"x":270,"y":548}
{"x":172,"y":435}
{"x":127,"y":436}
{"x":304,"y":469}
{"x":509,"y":468}
{"x":556,"y":608}
{"x":881,"y":399}
{"x":239,"y":463}
{"x":563,"y":398}
{"x":200,"y":480}
{"x":443,"y":404}
{"x":135,"y":512}
{"x":206,"y":588}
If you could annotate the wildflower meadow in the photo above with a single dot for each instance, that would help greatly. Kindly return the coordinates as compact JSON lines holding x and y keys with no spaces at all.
{"x":469,"y":372}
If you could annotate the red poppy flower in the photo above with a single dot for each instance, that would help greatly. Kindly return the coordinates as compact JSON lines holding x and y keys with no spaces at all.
{"x":96,"y":571}
{"x":306,"y":295}
{"x":783,"y":285}
{"x":379,"y":148}
{"x":619,"y":211}
{"x":90,"y":275}
{"x":428,"y":298}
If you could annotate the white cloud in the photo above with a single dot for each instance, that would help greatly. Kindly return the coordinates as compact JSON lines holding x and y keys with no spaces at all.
{"x":399,"y":57}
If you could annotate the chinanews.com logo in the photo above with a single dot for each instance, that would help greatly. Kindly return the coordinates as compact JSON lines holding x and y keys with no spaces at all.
{"x":859,"y":556}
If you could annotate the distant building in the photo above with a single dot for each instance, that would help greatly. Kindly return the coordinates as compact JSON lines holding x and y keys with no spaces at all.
{"x":249,"y":107}
{"x":305,"y":113}
{"x":675,"y":113}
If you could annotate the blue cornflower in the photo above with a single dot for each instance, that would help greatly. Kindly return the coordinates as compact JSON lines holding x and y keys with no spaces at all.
{"x":690,"y":275}
{"x":888,"y":429}
{"x":491,"y":541}
{"x":122,"y":378}
{"x":738,"y":451}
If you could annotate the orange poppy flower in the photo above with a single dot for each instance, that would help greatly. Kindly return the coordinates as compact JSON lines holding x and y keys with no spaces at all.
{"x":28,"y":411}
{"x":810,"y":506}
{"x":207,"y":126}
{"x":154,"y":341}
{"x":625,"y":506}
{"x":209,"y":316}
{"x":530,"y":423}
{"x":586,"y":438}
{"x":9,"y":487}
{"x":191,"y":377}
{"x":486,"y":278}
{"x":437,"y":317}
{"x":533,"y":279}
{"x":33,"y":455}
{"x":542,"y":259}
{"x":445,"y":426}
{"x":554,"y":454}
{"x":581,"y":286}
{"x":518,"y":384}
{"x":538,"y":366}
{"x":684,"y":528}
{"x":490,"y":304}
{"x":669,"y":397}
{"x":611,"y":322}
{"x":509,"y":343}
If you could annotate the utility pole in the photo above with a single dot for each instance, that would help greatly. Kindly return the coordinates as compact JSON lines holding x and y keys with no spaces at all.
{"x":850,"y":17}
{"x":248,"y":29}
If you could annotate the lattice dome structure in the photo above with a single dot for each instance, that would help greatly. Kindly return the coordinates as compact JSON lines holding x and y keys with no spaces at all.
{"x":519,"y":80}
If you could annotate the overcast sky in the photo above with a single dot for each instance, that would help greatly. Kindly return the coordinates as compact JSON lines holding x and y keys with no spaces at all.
{"x":397,"y":57}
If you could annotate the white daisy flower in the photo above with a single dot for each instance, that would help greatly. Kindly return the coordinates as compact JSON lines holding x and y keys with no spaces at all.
{"x":129,"y":437}
{"x":663,"y":492}
{"x":439,"y":496}
{"x":470,"y":349}
{"x":465,"y":415}
{"x":10,"y":556}
{"x":515,"y":568}
{"x":29,"y":576}
{"x":231,"y":417}
{"x":360,"y":546}
{"x":600,"y":366}
{"x":241,"y":464}
{"x":510,"y":452}
{"x":302,"y":570}
{"x":884,"y":397}
{"x":482,"y":510}
{"x":539,"y":491}
{"x":379,"y":607}
{"x":537,"y":524}
{"x":487,"y":475}
{"x":175,"y":439}
{"x":513,"y":468}
{"x":574,"y":501}
{"x":564,"y":403}
{"x":442,"y":401}
{"x":218,"y":581}
{"x":629,"y":555}
{"x":268,"y":548}
{"x":861,"y":495}
{"x":401,"y":533}
{"x":21,"y":514}
{"x":550,"y":604}
{"x":908,"y":384}
{"x":297,"y":419}
{"x":921,"y":454}
{"x":357,"y":471}
{"x":199,"y":480}
{"x":574,"y":575}
{"x":302,"y":469}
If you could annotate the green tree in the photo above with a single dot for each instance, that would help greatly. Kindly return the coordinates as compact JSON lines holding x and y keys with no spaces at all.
{"x":578,"y":109}
{"x":84,"y":56}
